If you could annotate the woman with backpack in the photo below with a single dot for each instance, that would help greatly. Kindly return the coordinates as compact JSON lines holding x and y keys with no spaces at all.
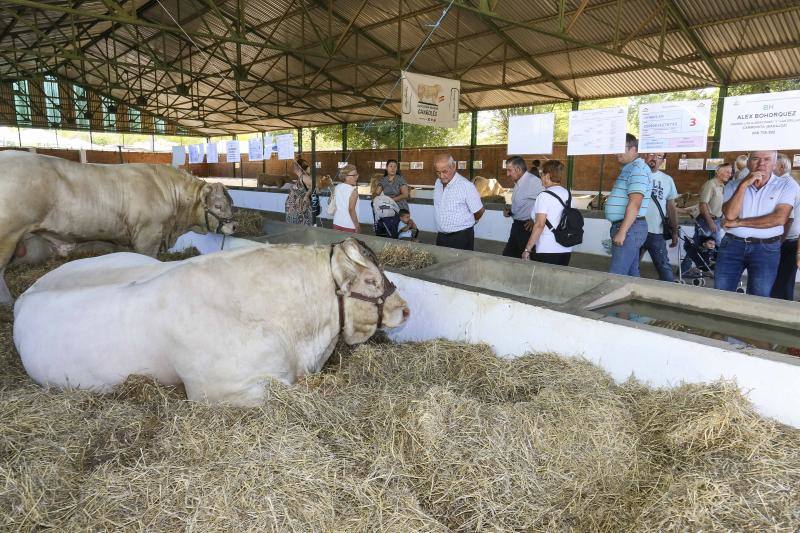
{"x":554,"y":231}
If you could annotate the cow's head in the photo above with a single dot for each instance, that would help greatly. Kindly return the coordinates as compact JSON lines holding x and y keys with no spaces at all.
{"x":218,"y":208}
{"x":365,"y":292}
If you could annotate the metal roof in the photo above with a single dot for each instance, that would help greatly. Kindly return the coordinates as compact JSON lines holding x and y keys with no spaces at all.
{"x":233,"y":66}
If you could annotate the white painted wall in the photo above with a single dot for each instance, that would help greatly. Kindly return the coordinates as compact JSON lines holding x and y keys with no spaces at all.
{"x":513,"y":328}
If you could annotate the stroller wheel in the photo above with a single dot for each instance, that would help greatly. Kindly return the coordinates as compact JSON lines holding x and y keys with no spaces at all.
{"x":680,"y":281}
{"x":740,"y":290}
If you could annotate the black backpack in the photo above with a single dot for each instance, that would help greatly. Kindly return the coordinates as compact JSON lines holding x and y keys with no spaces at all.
{"x":569,"y":231}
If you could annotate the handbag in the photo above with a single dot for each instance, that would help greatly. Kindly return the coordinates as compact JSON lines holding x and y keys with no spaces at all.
{"x":666,"y":230}
{"x":331,"y":209}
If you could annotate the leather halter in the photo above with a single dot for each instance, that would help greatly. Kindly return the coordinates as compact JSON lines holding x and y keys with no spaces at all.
{"x":220,"y":221}
{"x":379,"y":301}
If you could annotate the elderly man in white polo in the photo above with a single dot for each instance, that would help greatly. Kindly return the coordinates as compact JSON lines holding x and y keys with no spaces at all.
{"x":755,"y":208}
{"x":457,"y":205}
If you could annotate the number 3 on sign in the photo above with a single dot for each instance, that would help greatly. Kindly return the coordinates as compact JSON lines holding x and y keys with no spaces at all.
{"x":692,"y":122}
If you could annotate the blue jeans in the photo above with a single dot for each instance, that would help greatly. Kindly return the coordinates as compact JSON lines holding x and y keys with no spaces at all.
{"x":625,"y":258}
{"x":760,"y":260}
{"x":656,"y":246}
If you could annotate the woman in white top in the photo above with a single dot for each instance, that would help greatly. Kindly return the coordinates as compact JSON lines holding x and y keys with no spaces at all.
{"x":548,"y":208}
{"x":346,"y":199}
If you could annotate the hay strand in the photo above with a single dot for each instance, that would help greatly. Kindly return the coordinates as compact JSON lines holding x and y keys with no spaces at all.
{"x":405,"y":257}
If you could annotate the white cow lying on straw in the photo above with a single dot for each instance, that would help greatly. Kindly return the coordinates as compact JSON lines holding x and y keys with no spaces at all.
{"x":221,"y":324}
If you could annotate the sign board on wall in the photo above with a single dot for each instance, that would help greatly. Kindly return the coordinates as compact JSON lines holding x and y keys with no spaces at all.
{"x":233,"y":152}
{"x":212,"y":153}
{"x":714,"y":163}
{"x":674,"y":126}
{"x":196,"y":153}
{"x":796,"y":161}
{"x":769,"y":121}
{"x":690,"y":164}
{"x":255,"y":152}
{"x":531,"y":134}
{"x":178,"y":156}
{"x":285,"y":146}
{"x":597,"y":131}
{"x":429,"y":100}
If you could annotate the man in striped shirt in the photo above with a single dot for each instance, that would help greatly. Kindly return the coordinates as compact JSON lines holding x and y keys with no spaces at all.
{"x":457,"y":205}
{"x":626,"y":208}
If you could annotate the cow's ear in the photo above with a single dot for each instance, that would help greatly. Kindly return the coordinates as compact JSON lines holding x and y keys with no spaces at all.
{"x":353,"y":252}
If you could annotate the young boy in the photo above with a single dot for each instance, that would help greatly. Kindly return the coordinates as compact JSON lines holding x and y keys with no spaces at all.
{"x":708,"y":253}
{"x":408,"y":229}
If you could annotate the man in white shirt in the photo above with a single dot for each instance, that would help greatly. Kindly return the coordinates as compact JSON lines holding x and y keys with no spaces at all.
{"x":457,"y":205}
{"x":741,"y":170}
{"x":756,"y":210}
{"x":527,"y":187}
{"x":662,"y":203}
{"x":783,"y":167}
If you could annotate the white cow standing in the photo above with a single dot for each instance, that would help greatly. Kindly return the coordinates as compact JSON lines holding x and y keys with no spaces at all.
{"x":221,"y":324}
{"x":51,"y":205}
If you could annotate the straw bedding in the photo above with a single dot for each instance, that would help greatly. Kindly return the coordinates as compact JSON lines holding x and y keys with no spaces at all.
{"x":434,"y":436}
{"x":249,"y":222}
{"x":405,"y":257}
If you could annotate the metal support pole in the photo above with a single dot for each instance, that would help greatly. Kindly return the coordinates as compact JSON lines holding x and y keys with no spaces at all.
{"x":19,"y":135}
{"x":600,"y":187}
{"x":314,"y":172}
{"x":723,"y":93}
{"x":263,"y":150}
{"x":571,"y":159}
{"x":473,"y":139}
{"x":344,"y":141}
{"x":299,"y":141}
{"x":401,"y":139}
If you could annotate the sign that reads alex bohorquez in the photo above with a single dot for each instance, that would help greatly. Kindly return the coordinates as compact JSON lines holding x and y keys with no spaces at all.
{"x":430,"y":101}
{"x":768,"y":121}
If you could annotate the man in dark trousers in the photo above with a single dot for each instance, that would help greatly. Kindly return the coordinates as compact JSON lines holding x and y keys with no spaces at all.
{"x":526,"y":188}
{"x":457,"y":205}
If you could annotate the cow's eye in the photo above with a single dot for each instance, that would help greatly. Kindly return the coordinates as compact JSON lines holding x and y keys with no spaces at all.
{"x":218,"y":206}
{"x":372,"y":282}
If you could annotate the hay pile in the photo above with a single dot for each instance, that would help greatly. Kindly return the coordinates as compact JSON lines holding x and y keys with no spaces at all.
{"x":250,"y":222}
{"x":405,"y":257}
{"x":494,"y":199}
{"x":434,"y":436}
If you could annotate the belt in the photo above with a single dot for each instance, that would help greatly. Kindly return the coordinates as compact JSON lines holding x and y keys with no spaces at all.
{"x":755,"y":240}
{"x":456,"y":232}
{"x":620,"y":220}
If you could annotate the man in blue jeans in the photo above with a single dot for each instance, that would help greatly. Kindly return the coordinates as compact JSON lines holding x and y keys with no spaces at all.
{"x":626,"y":208}
{"x":755,"y":208}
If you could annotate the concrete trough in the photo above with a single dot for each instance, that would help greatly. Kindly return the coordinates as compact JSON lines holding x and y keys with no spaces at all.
{"x":518,"y":306}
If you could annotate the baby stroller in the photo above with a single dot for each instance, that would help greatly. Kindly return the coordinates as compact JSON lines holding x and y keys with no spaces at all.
{"x":385,"y":212}
{"x":703,"y":259}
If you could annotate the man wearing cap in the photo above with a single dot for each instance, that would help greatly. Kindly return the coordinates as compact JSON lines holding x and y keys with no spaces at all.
{"x":527,"y":187}
{"x":756,"y":209}
{"x":626,"y":209}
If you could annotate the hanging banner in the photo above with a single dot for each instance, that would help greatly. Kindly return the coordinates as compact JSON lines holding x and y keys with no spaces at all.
{"x":597,"y":131}
{"x":674,"y":126}
{"x":531,"y":134}
{"x":285,"y":146}
{"x":233,"y":152}
{"x":195,"y":153}
{"x":212,"y":153}
{"x":769,"y":121}
{"x":430,"y":101}
{"x":178,"y":156}
{"x":255,"y":152}
{"x":269,"y":146}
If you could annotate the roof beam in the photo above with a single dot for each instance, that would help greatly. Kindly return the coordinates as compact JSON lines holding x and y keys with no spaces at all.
{"x":699,"y":46}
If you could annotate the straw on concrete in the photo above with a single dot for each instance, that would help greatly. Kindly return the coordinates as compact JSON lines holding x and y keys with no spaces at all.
{"x":432,"y":436}
{"x":250,"y":222}
{"x":405,"y":257}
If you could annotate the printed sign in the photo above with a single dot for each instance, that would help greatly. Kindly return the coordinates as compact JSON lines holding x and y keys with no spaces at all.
{"x":212,"y":154}
{"x":233,"y":152}
{"x":597,"y":131}
{"x":462,"y":165}
{"x":796,"y":161}
{"x":674,"y":126}
{"x":769,"y":121}
{"x":285,"y":146}
{"x":255,"y":152}
{"x":531,"y":134}
{"x":690,"y":164}
{"x":269,"y":147}
{"x":417,"y":165}
{"x":178,"y":156}
{"x":430,"y":101}
{"x":196,"y":153}
{"x":713,"y":163}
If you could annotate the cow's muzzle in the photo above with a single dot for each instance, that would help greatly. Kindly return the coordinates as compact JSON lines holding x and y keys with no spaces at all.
{"x":226,"y":226}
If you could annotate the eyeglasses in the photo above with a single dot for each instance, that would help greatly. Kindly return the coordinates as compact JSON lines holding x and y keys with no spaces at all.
{"x":353,"y":175}
{"x":657,"y":156}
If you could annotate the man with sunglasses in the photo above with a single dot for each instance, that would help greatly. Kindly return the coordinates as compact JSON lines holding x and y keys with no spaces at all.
{"x":662,"y":209}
